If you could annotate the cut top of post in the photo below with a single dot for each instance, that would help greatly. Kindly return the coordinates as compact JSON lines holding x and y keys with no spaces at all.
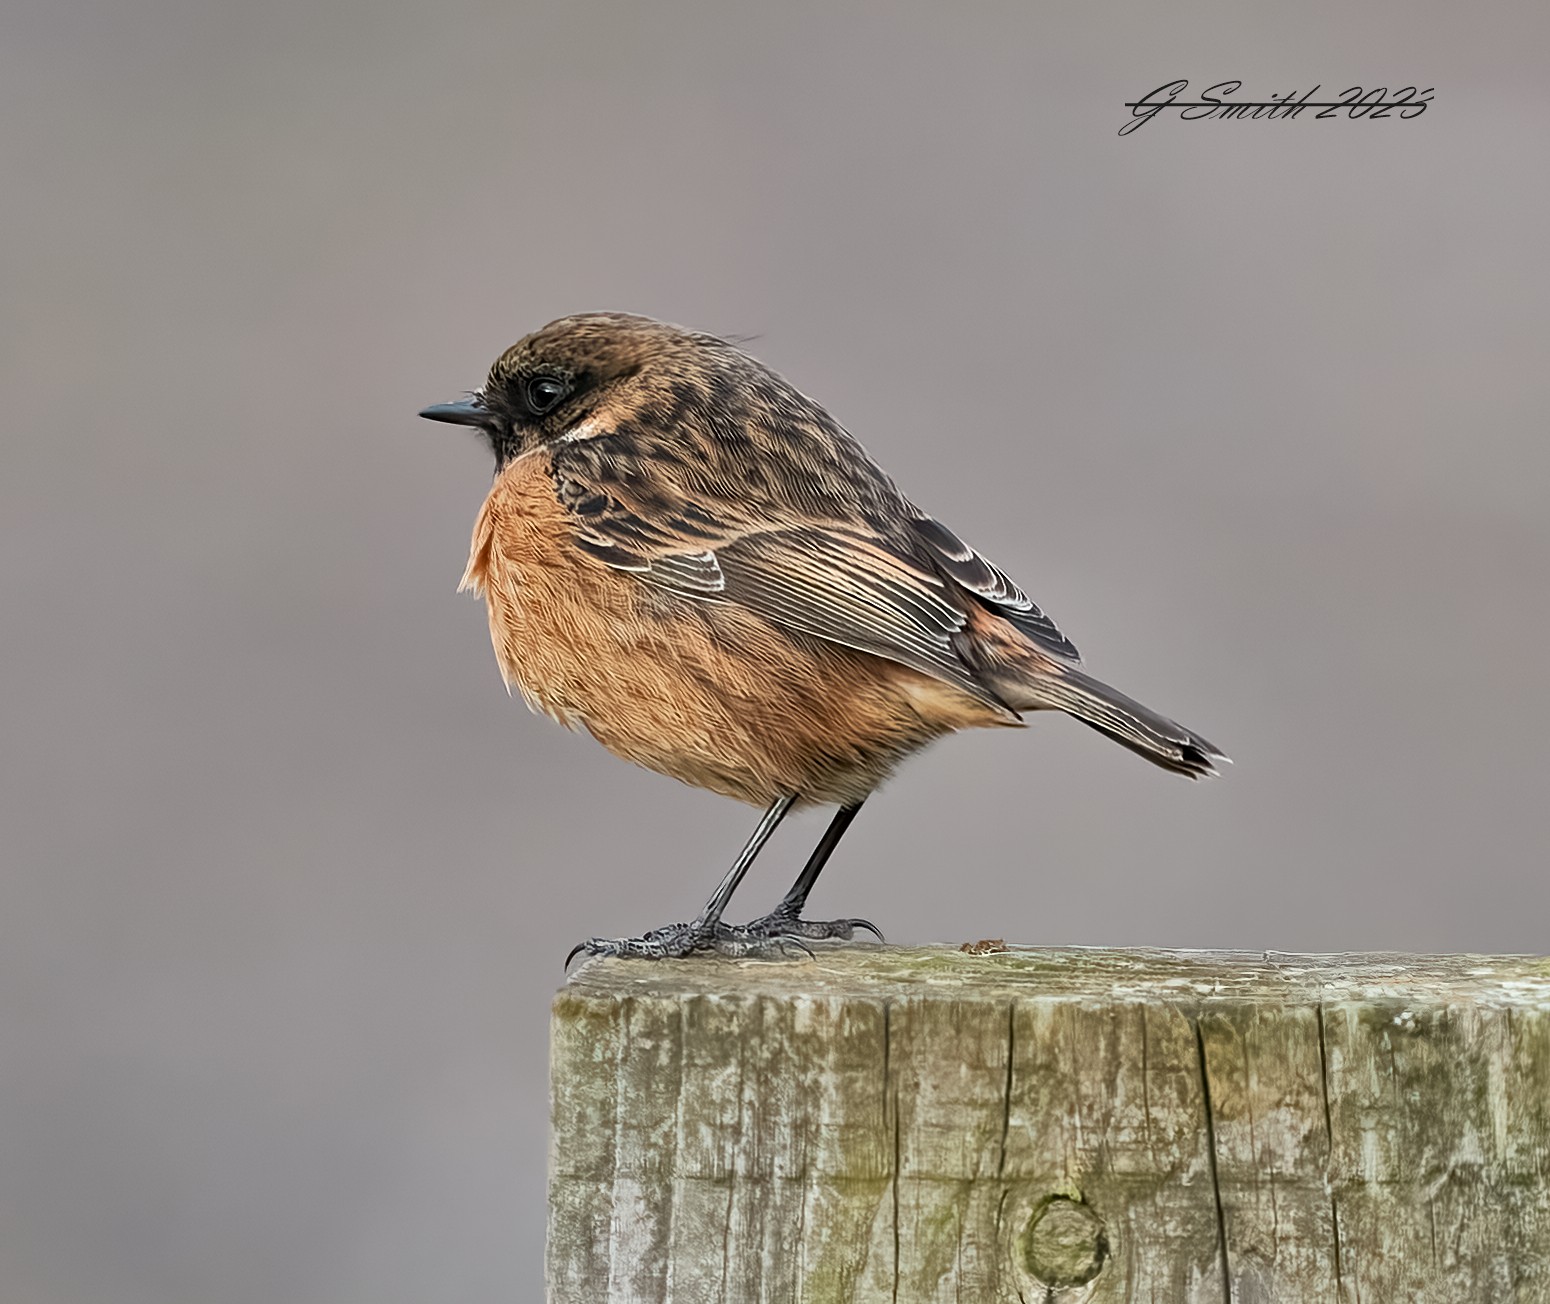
{"x":1077,"y":973}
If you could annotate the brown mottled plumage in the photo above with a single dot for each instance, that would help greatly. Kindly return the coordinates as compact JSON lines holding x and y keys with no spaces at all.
{"x":691,"y":559}
{"x":708,"y":692}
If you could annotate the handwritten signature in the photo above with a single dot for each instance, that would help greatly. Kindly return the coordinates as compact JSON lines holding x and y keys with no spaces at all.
{"x":1406,"y":102}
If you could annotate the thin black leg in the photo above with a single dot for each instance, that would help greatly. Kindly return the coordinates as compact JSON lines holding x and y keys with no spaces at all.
{"x":705,"y":932}
{"x":785,"y":922}
{"x":717,"y":904}
{"x":795,"y":899}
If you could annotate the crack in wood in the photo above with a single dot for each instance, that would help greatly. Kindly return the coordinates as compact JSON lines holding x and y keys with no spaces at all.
{"x":1216,"y":1184}
{"x":891,"y":1103}
{"x":1329,"y":1128}
{"x":1006,"y":1098}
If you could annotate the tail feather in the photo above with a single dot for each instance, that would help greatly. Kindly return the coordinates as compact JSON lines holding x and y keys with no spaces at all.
{"x":1162,"y":741}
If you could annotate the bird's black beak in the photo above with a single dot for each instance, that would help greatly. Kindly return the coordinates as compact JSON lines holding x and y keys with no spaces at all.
{"x":470,"y":411}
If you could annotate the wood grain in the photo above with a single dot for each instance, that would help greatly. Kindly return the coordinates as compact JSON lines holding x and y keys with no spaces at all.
{"x":889,"y":1124}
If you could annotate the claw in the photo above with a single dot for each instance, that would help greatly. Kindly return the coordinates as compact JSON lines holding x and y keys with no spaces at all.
{"x":670,"y":942}
{"x":783,"y":925}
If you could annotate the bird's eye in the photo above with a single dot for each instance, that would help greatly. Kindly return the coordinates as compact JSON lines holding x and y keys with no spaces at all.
{"x":543,"y":392}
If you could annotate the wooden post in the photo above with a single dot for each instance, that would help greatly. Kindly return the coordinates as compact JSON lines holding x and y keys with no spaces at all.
{"x":887,"y":1124}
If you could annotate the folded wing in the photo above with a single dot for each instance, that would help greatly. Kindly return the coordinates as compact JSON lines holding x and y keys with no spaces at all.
{"x":899,"y":588}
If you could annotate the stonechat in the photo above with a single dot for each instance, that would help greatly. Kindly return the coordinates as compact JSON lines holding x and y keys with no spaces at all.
{"x":692,"y":560}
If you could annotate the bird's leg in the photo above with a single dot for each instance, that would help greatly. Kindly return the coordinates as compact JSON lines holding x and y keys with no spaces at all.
{"x":785,"y":922}
{"x":705,"y":932}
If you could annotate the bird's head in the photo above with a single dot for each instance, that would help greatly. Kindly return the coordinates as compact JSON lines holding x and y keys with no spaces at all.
{"x":560,"y":381}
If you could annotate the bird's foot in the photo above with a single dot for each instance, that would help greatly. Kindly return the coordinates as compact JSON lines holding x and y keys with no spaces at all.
{"x":675,"y":941}
{"x":784,"y":925}
{"x":780,"y":931}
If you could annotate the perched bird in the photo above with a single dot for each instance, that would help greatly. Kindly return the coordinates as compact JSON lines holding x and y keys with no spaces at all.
{"x":693,"y":561}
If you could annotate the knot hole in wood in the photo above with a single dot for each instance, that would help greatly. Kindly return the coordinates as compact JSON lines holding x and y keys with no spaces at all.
{"x":1065,"y":1244}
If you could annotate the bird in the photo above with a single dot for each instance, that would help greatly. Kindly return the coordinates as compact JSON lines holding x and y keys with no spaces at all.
{"x":690,"y":559}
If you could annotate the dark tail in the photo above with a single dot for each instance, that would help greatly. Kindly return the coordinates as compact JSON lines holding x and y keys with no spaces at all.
{"x":1162,"y":741}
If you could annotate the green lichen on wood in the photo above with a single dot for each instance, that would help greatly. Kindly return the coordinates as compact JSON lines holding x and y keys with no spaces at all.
{"x":890,"y":1124}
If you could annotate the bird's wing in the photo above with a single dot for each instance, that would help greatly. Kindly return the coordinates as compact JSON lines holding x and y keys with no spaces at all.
{"x":957,"y":561}
{"x":842,"y":581}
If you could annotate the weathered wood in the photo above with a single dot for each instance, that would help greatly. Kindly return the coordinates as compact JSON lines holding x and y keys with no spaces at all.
{"x":886,"y":1124}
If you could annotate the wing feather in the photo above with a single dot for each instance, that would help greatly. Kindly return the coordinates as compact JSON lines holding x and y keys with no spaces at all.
{"x":846,"y":589}
{"x":991,"y":585}
{"x":862,"y":568}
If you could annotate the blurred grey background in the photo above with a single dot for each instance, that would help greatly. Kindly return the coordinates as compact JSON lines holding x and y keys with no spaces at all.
{"x":1257,"y":410}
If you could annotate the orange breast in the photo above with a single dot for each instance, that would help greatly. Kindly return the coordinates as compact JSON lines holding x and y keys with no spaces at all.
{"x":707,"y":692}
